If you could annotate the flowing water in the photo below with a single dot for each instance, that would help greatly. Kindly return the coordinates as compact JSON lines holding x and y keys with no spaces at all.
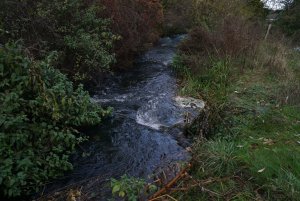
{"x":140,"y":137}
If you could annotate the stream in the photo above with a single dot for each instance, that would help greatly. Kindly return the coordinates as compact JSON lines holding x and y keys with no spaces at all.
{"x":142,"y":137}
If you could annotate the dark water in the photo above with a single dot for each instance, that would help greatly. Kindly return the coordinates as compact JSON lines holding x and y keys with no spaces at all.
{"x":139,"y":138}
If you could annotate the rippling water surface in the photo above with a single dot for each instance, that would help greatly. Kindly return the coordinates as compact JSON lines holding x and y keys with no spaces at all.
{"x":136,"y":140}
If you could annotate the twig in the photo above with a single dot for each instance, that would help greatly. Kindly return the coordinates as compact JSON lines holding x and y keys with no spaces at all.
{"x":169,"y":196}
{"x":171,"y":183}
{"x":209,"y":191}
{"x":162,"y":196}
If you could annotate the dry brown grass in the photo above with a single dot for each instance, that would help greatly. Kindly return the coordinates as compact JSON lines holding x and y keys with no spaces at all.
{"x":234,"y":39}
{"x":271,"y":56}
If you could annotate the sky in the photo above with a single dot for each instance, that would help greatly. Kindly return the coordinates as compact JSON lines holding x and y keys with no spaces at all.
{"x":274,"y":4}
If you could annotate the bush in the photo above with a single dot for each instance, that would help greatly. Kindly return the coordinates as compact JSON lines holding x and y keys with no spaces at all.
{"x":39,"y":113}
{"x":73,"y":28}
{"x":209,"y":13}
{"x":128,"y":187}
{"x":82,"y":31}
{"x":138,"y":23}
{"x":178,"y":16}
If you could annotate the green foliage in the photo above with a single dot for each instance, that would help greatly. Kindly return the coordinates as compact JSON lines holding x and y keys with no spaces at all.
{"x":73,"y":28}
{"x":40,"y":111}
{"x":128,"y":187}
{"x":216,"y":158}
{"x":180,"y":68}
{"x":211,"y":82}
{"x":266,"y":152}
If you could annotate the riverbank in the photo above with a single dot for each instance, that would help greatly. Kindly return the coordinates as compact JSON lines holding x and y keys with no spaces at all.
{"x":143,"y":138}
{"x":253,"y":147}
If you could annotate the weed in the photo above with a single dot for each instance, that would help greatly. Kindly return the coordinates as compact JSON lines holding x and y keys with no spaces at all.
{"x":130,"y":187}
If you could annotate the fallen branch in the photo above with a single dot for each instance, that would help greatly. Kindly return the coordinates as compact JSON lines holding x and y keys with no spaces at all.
{"x":181,"y":174}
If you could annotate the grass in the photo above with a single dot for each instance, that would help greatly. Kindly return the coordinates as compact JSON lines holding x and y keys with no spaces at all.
{"x":253,"y":150}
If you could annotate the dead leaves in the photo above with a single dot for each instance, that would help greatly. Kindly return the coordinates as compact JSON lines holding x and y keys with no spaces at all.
{"x":73,"y":195}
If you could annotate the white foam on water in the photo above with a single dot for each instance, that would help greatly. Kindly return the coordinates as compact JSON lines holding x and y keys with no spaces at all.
{"x":120,"y":98}
{"x":167,"y":62}
{"x":145,"y":115}
{"x":145,"y":120}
